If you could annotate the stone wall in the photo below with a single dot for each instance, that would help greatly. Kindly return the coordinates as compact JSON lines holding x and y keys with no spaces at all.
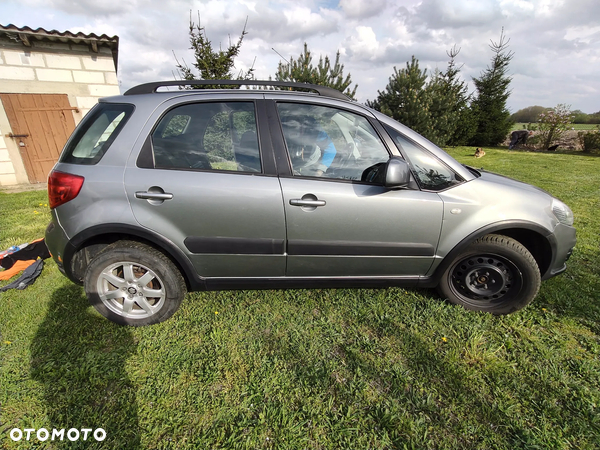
{"x":50,"y":68}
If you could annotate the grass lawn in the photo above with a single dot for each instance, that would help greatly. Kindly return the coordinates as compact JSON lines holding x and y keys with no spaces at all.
{"x":320,"y":369}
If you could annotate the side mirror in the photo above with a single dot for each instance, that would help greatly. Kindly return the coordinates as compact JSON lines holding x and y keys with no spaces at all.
{"x":397,"y":173}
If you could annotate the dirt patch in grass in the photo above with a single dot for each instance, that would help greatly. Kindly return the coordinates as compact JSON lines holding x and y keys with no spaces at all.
{"x":14,"y":188}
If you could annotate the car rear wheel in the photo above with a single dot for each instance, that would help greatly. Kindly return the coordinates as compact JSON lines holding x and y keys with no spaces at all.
{"x":133,"y":284}
{"x":495,"y":274}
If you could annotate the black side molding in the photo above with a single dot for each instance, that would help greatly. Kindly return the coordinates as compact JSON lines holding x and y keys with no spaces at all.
{"x":234,"y":246}
{"x":297,"y":247}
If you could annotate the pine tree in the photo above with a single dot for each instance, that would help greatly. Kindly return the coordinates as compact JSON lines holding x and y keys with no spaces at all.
{"x":406,"y":99}
{"x":302,"y":70}
{"x":436,"y":107}
{"x":489,"y":105}
{"x":212,"y":64}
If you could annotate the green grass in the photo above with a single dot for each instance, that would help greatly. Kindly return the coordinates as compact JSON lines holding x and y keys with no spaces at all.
{"x":320,"y":369}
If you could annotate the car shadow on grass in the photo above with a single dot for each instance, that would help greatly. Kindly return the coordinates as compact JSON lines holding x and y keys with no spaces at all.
{"x":79,"y":360}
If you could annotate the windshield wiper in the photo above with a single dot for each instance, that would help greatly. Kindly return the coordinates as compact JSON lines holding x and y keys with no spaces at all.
{"x":473,"y":170}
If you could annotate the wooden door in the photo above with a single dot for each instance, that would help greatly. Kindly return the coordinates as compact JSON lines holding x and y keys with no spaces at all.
{"x":41,"y":125}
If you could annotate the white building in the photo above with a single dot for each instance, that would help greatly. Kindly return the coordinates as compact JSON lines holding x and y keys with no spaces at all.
{"x":48,"y":81}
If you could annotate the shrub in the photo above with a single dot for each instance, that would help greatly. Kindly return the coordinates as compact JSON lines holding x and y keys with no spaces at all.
{"x":589,"y":140}
{"x":553,"y":124}
{"x":534,"y":141}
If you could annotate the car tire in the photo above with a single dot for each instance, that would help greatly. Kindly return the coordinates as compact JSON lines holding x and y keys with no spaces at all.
{"x":495,"y":274}
{"x":133,"y":284}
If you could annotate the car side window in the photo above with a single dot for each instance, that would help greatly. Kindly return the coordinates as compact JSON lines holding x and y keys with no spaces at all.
{"x":208,"y":136}
{"x":431,"y":173}
{"x":329,"y":142}
{"x":91,"y":140}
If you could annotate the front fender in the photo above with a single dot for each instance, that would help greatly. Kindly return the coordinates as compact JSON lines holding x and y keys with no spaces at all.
{"x":509,"y":228}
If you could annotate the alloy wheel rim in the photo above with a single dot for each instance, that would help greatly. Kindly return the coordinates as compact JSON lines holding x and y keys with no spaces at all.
{"x":131,"y":290}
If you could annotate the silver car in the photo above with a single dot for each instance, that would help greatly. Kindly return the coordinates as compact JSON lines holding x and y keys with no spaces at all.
{"x":159,"y":192}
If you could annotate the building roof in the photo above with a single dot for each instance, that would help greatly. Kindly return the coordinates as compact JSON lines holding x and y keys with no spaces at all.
{"x":27,"y":36}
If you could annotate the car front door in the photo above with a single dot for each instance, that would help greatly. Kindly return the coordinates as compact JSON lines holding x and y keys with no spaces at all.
{"x":202,"y":181}
{"x":338,"y":225}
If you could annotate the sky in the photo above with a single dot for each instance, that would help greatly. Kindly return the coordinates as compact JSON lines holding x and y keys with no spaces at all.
{"x":556,"y":43}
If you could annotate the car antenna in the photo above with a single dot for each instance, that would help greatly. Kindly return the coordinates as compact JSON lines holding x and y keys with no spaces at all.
{"x":280,"y":55}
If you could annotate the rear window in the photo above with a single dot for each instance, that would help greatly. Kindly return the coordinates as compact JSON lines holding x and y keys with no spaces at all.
{"x":95,"y":133}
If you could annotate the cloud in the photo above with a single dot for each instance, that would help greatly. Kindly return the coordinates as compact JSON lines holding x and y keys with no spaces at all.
{"x":298,"y":22}
{"x":360,"y":9}
{"x":556,"y":43}
{"x":440,"y":14}
{"x":363,"y":44}
{"x":105,"y":8}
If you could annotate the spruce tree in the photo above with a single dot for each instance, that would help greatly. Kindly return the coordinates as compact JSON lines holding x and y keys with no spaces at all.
{"x":489,"y":105}
{"x":302,"y":70}
{"x":449,"y":109}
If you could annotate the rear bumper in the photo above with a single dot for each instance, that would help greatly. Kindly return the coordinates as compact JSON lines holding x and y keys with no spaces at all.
{"x":56,"y":240}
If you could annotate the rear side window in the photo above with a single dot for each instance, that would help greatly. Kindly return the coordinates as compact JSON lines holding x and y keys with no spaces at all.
{"x":95,"y":134}
{"x":220,"y":136}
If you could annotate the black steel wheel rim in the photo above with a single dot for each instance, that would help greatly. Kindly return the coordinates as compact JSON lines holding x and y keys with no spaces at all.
{"x":485,"y":278}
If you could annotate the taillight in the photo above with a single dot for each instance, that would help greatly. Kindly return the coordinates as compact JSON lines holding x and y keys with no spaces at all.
{"x":62,"y":187}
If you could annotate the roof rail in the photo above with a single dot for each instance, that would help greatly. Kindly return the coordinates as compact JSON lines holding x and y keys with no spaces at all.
{"x":149,"y":88}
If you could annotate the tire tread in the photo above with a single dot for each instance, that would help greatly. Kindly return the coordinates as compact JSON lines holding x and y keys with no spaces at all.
{"x":124,"y":247}
{"x":500,"y":242}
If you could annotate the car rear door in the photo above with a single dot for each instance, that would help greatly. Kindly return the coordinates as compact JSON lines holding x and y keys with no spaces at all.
{"x":338,"y":225}
{"x":204,"y":179}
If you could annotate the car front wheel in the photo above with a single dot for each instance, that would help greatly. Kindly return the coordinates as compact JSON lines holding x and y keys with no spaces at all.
{"x":494,"y":274}
{"x":133,"y":284}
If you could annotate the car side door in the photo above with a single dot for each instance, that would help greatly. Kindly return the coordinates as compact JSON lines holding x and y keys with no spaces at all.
{"x":338,"y":224}
{"x":204,"y":179}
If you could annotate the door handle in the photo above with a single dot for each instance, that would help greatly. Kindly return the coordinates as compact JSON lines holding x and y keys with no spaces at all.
{"x":153,"y":195}
{"x":301,"y":202}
